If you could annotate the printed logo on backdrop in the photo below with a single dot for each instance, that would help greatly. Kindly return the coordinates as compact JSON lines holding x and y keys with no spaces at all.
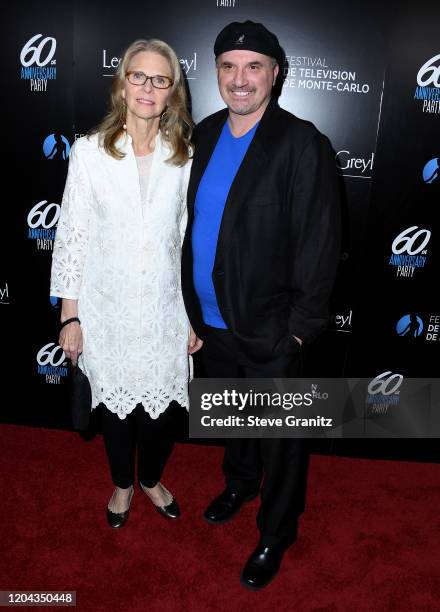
{"x":188,"y":63}
{"x":55,"y":301}
{"x":341,"y":322}
{"x":411,"y":326}
{"x":38,"y":63}
{"x":51,"y":363}
{"x":42,"y":220}
{"x":226,"y":3}
{"x":356,"y":167}
{"x":409,"y":251}
{"x":56,"y":146}
{"x":383,"y":392}
{"x":428,"y":85}
{"x":315,"y":73}
{"x":431,"y":170}
{"x":4,"y":293}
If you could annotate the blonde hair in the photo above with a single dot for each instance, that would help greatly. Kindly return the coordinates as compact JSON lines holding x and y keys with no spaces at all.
{"x":175,"y":123}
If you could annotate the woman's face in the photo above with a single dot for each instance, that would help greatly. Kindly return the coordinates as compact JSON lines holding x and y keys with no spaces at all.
{"x":146,"y":101}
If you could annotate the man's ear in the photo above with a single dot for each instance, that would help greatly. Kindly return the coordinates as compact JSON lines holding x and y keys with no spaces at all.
{"x":276,"y":70}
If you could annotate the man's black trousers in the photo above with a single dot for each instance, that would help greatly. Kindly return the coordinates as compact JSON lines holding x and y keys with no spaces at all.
{"x":279,"y":464}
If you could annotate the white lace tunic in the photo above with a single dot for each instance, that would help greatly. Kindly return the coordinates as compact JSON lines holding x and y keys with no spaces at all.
{"x":121,"y":261}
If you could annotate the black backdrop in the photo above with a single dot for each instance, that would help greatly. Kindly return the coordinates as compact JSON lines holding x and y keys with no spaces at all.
{"x":368,"y":76}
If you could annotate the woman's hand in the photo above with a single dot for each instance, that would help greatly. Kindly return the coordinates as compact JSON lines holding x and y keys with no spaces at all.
{"x":71,"y":341}
{"x":194,"y":343}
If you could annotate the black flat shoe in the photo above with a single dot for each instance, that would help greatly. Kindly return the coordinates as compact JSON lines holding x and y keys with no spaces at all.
{"x":171,"y":510}
{"x":261,"y":567}
{"x":224,"y":507}
{"x":118,"y":519}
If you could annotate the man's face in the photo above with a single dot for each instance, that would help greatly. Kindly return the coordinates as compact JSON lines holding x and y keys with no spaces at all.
{"x":245,"y":80}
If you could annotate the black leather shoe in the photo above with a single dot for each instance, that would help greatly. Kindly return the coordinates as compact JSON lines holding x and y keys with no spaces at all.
{"x":261,"y":567}
{"x":171,"y":511}
{"x":118,"y":519}
{"x":225,"y":506}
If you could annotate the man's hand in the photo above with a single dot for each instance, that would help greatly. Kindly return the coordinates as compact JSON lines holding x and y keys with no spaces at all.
{"x":194,"y":343}
{"x":71,"y":341}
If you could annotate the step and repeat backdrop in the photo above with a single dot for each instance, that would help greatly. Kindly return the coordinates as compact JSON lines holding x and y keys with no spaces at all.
{"x":367,"y":74}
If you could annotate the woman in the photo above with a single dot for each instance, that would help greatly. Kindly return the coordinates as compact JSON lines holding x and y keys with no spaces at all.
{"x":116,"y":264}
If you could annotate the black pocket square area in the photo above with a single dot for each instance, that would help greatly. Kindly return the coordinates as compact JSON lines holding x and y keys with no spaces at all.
{"x":80,"y":399}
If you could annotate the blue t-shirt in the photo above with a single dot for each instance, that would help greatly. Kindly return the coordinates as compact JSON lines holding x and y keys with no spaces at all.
{"x":208,"y":212}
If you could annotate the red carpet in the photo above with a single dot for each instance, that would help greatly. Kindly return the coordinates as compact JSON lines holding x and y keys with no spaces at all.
{"x":369,"y":540}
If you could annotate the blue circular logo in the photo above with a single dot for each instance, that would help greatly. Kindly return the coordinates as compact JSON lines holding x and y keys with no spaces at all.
{"x":410,"y":325}
{"x":54,"y":300}
{"x":56,"y":146}
{"x":431,"y":170}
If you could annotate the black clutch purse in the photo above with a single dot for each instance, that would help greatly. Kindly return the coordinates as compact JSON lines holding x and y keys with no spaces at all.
{"x":80,"y":399}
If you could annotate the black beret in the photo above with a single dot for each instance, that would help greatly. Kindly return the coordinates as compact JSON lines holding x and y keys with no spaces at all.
{"x":250,"y":36}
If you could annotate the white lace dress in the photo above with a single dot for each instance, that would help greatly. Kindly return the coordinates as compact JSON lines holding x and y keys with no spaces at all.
{"x":121,"y":261}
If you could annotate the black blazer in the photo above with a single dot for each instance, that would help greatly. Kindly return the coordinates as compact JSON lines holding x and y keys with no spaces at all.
{"x":279,"y":240}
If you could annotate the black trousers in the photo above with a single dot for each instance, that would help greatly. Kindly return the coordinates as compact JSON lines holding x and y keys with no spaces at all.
{"x":152,"y":438}
{"x":281,"y":463}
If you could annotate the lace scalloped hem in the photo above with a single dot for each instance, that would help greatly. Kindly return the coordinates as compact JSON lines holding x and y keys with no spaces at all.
{"x":155,"y":401}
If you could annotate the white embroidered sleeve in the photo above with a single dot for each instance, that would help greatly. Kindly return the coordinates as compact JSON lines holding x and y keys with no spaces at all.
{"x":71,"y":238}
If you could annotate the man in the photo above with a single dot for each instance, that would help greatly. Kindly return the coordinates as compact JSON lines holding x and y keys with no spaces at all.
{"x":259,"y":261}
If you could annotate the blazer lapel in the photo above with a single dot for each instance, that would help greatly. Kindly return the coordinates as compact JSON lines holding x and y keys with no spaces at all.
{"x":130,"y":171}
{"x":252,"y":166}
{"x":125,"y":172}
